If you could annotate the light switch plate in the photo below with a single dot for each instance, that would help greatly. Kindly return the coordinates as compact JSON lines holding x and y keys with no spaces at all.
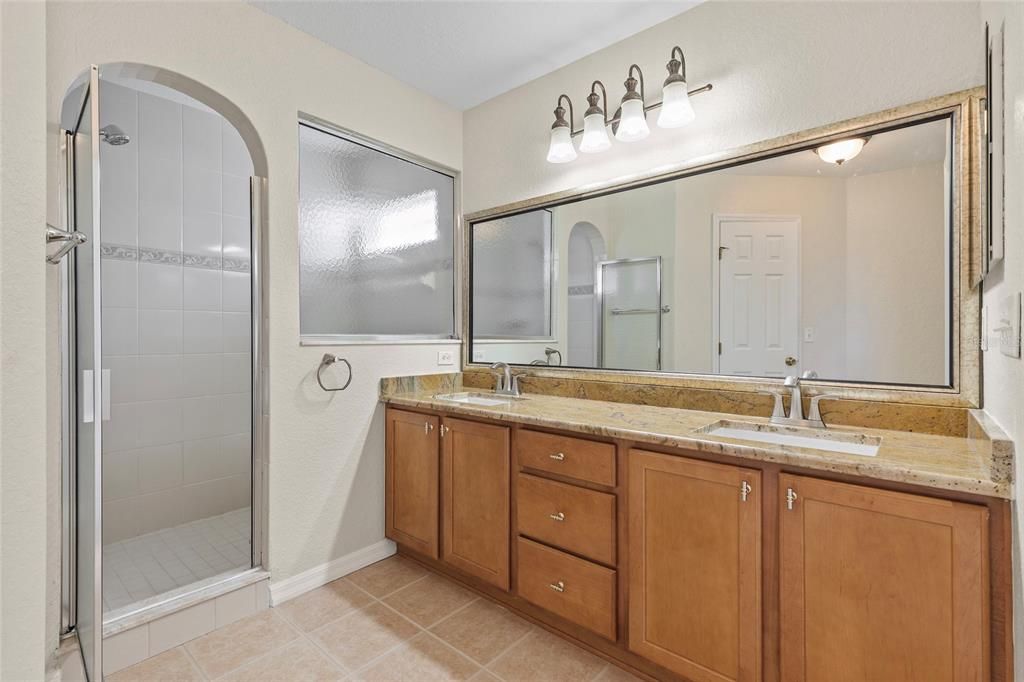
{"x":445,"y":357}
{"x":1008,"y":329}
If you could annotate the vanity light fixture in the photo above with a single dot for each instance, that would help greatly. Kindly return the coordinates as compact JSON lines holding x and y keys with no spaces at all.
{"x":561,"y":150}
{"x":841,"y":151}
{"x":629,"y":124}
{"x":676,"y":110}
{"x":595,"y":122}
{"x":632,"y":124}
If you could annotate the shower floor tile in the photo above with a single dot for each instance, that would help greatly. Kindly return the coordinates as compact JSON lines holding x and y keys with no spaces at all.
{"x":148,"y":565}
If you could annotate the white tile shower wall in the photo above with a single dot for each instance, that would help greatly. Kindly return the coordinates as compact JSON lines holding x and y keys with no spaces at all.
{"x":176,"y":299}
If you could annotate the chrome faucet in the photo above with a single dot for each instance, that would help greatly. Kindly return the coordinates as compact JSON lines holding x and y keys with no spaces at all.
{"x":796,"y":399}
{"x":796,"y":406}
{"x":505,"y":383}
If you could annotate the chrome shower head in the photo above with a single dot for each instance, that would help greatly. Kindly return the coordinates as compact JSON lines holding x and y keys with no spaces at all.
{"x":113,"y":135}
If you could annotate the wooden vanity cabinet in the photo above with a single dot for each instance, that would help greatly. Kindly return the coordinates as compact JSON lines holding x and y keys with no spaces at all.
{"x":706,"y":571}
{"x":695,"y":566}
{"x":475,"y":499}
{"x":881,"y":585}
{"x":411,"y":455}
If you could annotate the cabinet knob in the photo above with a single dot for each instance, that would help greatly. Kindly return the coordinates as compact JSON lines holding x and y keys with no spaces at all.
{"x":558,"y":457}
{"x":557,"y":516}
{"x":558,"y":586}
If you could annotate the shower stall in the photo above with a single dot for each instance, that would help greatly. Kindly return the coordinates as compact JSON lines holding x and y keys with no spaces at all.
{"x":162,"y":416}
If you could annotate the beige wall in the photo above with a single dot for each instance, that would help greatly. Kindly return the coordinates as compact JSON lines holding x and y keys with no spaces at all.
{"x":896,"y":289}
{"x":777,"y":68}
{"x":326,"y":450}
{"x":1004,"y":376}
{"x":26,"y":631}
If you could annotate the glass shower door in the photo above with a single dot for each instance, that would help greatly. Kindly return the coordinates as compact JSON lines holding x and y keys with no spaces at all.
{"x":630,"y":295}
{"x":90,"y":408}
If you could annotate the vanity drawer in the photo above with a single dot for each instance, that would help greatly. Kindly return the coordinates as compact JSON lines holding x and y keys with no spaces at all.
{"x":586,"y":460}
{"x":573,"y":588}
{"x":573,"y":518}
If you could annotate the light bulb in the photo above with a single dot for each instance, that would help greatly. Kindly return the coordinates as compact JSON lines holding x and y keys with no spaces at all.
{"x":595,"y":134}
{"x":676,"y":110}
{"x":561,"y":150}
{"x":633,"y":122}
{"x":841,"y":151}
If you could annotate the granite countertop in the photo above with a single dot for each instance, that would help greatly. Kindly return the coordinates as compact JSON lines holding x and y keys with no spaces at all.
{"x":981,"y":463}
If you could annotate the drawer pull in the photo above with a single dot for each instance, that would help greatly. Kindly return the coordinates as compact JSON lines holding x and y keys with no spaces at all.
{"x":558,"y":457}
{"x":558,"y":587}
{"x":557,"y":516}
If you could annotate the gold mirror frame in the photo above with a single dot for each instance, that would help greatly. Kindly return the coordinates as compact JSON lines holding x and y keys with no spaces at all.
{"x":965,"y":108}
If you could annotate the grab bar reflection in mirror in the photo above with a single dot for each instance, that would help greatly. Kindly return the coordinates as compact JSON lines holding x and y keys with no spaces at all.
{"x":640,"y":311}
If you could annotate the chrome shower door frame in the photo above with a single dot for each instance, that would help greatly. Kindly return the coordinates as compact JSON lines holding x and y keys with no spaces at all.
{"x":69,"y":399}
{"x":600,"y":291}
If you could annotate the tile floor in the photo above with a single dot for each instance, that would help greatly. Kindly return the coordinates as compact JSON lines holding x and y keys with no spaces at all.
{"x":145,"y":566}
{"x":391,"y":621}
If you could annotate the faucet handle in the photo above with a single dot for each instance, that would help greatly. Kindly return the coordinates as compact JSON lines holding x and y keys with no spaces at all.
{"x":814,"y":413}
{"x":778,"y":410}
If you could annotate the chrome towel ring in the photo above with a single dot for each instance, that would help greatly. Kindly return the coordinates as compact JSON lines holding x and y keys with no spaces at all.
{"x":327,"y":361}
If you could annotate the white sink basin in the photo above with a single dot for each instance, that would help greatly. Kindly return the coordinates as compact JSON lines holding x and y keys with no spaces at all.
{"x":794,"y":436}
{"x":484,"y":399}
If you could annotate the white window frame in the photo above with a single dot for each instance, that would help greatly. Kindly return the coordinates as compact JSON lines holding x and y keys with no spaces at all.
{"x":451,"y":338}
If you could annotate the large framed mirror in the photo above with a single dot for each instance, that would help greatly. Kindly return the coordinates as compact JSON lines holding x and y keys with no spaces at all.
{"x":843,"y":254}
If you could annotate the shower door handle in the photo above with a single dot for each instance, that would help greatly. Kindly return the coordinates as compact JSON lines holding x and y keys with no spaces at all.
{"x":88,"y":397}
{"x":89,"y":393}
{"x":105,"y":389}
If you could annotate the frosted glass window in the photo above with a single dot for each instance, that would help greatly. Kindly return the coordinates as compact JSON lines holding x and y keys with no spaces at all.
{"x":376,"y":242}
{"x":512,"y":262}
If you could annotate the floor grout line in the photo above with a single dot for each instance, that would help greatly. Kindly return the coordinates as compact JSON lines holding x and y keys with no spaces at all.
{"x":192,"y":659}
{"x":409,"y":584}
{"x":509,"y":648}
{"x":465,"y":606}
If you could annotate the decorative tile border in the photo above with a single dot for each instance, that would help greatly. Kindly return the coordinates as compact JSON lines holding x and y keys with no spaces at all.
{"x":166,"y":257}
{"x":119,"y":252}
{"x":159,"y":256}
{"x":582,"y":290}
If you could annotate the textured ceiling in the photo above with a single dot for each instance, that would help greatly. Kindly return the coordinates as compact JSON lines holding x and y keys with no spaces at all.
{"x":465,"y":53}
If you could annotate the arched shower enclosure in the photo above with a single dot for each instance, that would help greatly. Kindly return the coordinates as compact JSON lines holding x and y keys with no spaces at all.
{"x":163,"y":430}
{"x":586,"y":250}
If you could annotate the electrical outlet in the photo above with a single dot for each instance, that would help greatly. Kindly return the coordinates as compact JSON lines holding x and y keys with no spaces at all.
{"x":445,"y":357}
{"x":478,"y":356}
{"x":809,"y":334}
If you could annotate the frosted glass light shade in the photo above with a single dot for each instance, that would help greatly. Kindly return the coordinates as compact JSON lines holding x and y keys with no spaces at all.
{"x":676,"y":110}
{"x":633,"y":122}
{"x":595,"y":135}
{"x":841,"y":151}
{"x":561,"y":150}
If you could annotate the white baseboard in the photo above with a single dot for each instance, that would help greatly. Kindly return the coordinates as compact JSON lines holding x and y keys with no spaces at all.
{"x":289,"y":588}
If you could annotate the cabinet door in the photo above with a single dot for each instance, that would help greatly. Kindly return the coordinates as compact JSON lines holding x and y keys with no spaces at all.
{"x":475,"y":499}
{"x":877,"y":585}
{"x":411,"y":459}
{"x":695,"y":566}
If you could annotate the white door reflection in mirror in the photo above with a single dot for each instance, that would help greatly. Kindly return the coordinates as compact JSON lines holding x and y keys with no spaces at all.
{"x":758,"y":295}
